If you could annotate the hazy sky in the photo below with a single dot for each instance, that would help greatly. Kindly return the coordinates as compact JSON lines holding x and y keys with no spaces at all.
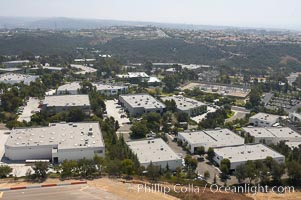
{"x":258,"y":13}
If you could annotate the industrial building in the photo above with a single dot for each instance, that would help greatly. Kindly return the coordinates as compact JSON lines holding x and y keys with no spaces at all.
{"x":155,"y":151}
{"x":61,"y":103}
{"x":110,"y":90}
{"x":209,"y":138}
{"x":272,"y":135}
{"x":293,"y":145}
{"x":138,"y":104}
{"x":190,"y":106}
{"x":240,"y":154}
{"x":56,"y":142}
{"x":264,"y":119}
{"x":11,"y":78}
{"x":69,"y":88}
{"x":15,"y":63}
{"x":294,"y":116}
{"x":134,"y":77}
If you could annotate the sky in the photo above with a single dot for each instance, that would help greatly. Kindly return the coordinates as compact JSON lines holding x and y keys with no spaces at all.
{"x":244,"y":13}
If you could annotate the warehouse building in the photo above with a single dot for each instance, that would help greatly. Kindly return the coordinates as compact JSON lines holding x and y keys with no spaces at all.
{"x":109,"y":90}
{"x":240,"y":154}
{"x":11,"y":78}
{"x":190,"y":106}
{"x":209,"y":138}
{"x":272,"y":135}
{"x":69,"y":88}
{"x":57,"y":142}
{"x":155,"y":151}
{"x":15,"y":63}
{"x":138,"y":104}
{"x":264,"y":119}
{"x":55,"y":104}
{"x":293,"y":145}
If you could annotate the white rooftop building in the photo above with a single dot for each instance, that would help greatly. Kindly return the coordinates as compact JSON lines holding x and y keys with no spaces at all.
{"x":69,"y":88}
{"x":190,"y":106}
{"x":293,"y":145}
{"x":15,"y":63}
{"x":137,"y":104}
{"x":11,"y":78}
{"x":66,"y":102}
{"x":209,"y":138}
{"x":264,"y":119}
{"x":57,"y":142}
{"x":240,"y":154}
{"x":109,"y":90}
{"x":155,"y":151}
{"x":83,"y":69}
{"x":272,"y":135}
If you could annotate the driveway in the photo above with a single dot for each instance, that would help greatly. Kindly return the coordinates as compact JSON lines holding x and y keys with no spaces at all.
{"x":30,"y":108}
{"x":115,"y":110}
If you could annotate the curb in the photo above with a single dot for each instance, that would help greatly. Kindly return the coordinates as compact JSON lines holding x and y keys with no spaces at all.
{"x":41,"y":186}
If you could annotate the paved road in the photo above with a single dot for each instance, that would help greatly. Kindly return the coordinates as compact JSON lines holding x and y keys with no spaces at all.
{"x":73,"y":192}
{"x":115,"y":112}
{"x":174,"y":146}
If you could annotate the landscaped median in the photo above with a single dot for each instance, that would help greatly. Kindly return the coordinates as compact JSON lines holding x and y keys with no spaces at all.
{"x":43,"y":185}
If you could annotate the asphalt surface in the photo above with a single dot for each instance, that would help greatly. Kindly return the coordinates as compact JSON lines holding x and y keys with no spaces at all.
{"x":74,"y":192}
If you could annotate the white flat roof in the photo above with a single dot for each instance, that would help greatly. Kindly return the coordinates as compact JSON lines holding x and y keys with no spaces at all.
{"x":265,"y":117}
{"x":278,"y":132}
{"x":65,"y":135}
{"x":214,"y":138}
{"x":84,"y":69}
{"x":184,"y":103}
{"x":246,"y":152}
{"x":152,"y":150}
{"x":12,"y":78}
{"x":101,"y":86}
{"x":69,"y":86}
{"x":67,"y":100}
{"x":142,"y":100}
{"x":293,"y":145}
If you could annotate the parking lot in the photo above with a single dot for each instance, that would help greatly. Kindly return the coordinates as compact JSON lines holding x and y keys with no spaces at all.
{"x":29,"y":109}
{"x":116,"y":111}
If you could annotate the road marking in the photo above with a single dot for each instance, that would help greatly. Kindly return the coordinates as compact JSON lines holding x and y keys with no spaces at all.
{"x":83,"y":188}
{"x":1,"y":194}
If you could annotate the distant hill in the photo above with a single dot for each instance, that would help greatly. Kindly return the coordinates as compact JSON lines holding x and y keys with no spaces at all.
{"x":72,"y":23}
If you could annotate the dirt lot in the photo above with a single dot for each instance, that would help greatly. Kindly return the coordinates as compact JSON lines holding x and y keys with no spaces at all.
{"x":129,"y":190}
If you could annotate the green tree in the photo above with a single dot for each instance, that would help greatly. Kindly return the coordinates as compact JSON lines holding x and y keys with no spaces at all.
{"x":153,"y":171}
{"x":200,"y":150}
{"x":40,"y":169}
{"x":139,"y":130}
{"x":5,"y":170}
{"x":210,"y":154}
{"x":128,"y":167}
{"x":240,"y":173}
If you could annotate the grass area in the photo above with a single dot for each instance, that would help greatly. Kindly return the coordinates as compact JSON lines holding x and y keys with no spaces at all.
{"x":231,"y":114}
{"x":240,"y":102}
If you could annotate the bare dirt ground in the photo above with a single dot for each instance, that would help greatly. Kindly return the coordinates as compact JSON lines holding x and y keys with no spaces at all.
{"x":129,"y":190}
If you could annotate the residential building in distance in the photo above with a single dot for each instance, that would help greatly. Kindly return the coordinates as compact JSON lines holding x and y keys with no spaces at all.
{"x":56,"y":142}
{"x":69,"y":88}
{"x":15,"y":63}
{"x":109,"y":89}
{"x":240,"y":154}
{"x":272,"y":135}
{"x":209,"y":138}
{"x":59,"y":103}
{"x":264,"y":120}
{"x":138,"y":104}
{"x":190,"y":106}
{"x":11,"y":78}
{"x":155,"y":151}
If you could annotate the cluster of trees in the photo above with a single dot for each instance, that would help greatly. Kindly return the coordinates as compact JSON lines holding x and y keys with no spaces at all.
{"x":215,"y":119}
{"x":5,"y":170}
{"x":262,"y":171}
{"x":150,"y":122}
